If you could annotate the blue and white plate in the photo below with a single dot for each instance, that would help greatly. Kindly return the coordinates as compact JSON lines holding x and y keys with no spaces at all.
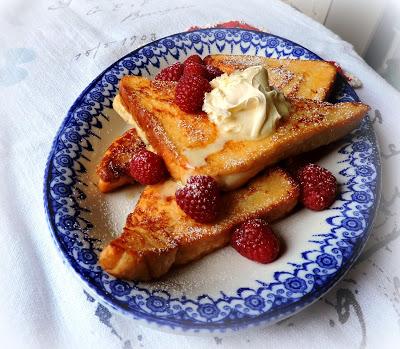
{"x":223,"y":291}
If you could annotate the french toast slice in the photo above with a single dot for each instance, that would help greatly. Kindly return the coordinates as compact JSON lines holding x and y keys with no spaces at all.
{"x":113,"y":169}
{"x":190,"y":143}
{"x":309,"y":79}
{"x":158,"y":234}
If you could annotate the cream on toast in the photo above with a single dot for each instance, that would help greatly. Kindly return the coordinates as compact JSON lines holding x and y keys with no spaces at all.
{"x":191,"y":144}
{"x":309,"y":79}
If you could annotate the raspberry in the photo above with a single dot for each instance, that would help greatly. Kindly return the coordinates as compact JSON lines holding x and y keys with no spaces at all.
{"x":213,"y":72}
{"x":200,"y":198}
{"x":318,"y":187}
{"x":255,"y":240}
{"x":193,"y":59}
{"x":171,"y":73}
{"x":147,"y":167}
{"x":195,"y":69}
{"x":189,"y":93}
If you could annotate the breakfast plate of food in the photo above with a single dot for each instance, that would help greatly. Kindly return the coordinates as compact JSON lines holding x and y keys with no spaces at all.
{"x":212,"y":181}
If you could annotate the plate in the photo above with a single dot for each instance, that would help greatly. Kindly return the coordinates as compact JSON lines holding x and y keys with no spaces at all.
{"x":223,"y":291}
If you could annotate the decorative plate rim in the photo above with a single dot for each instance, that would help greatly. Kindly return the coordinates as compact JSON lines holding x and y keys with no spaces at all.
{"x":270,"y":316}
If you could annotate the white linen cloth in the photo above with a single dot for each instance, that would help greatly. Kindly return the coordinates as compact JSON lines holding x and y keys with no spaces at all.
{"x":49,"y":52}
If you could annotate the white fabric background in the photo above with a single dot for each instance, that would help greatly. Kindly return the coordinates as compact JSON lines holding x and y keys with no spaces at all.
{"x":47,"y":57}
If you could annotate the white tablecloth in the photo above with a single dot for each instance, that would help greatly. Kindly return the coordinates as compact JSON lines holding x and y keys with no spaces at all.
{"x":49,"y":52}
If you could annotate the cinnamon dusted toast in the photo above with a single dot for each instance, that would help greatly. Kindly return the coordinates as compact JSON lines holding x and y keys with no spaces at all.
{"x":191,"y":144}
{"x":159,"y":235}
{"x":113,"y":168}
{"x":309,"y":79}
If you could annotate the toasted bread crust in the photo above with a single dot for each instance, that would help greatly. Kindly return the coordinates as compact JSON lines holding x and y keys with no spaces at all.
{"x":308,"y":79}
{"x":158,"y":234}
{"x":309,"y":125}
{"x":106,"y":187}
{"x":113,"y":169}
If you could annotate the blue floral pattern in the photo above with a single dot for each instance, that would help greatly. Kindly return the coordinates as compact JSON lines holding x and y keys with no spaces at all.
{"x":292,"y":288}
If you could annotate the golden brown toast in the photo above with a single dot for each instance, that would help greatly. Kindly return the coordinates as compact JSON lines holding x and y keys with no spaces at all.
{"x":113,"y":168}
{"x":295,"y":78}
{"x":178,"y":137}
{"x":159,"y":235}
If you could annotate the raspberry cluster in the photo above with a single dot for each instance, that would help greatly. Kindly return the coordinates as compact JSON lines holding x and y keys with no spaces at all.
{"x":193,"y":78}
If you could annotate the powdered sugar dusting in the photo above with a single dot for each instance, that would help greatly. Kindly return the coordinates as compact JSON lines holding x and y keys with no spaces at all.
{"x":281,"y":77}
{"x":196,"y":135}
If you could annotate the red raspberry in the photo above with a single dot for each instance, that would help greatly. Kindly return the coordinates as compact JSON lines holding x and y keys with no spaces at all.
{"x":147,"y":167}
{"x":189,"y":93}
{"x":255,"y":240}
{"x":195,"y":69}
{"x":318,"y":187}
{"x":171,"y":73}
{"x":213,"y":72}
{"x":199,"y":198}
{"x":193,"y":59}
